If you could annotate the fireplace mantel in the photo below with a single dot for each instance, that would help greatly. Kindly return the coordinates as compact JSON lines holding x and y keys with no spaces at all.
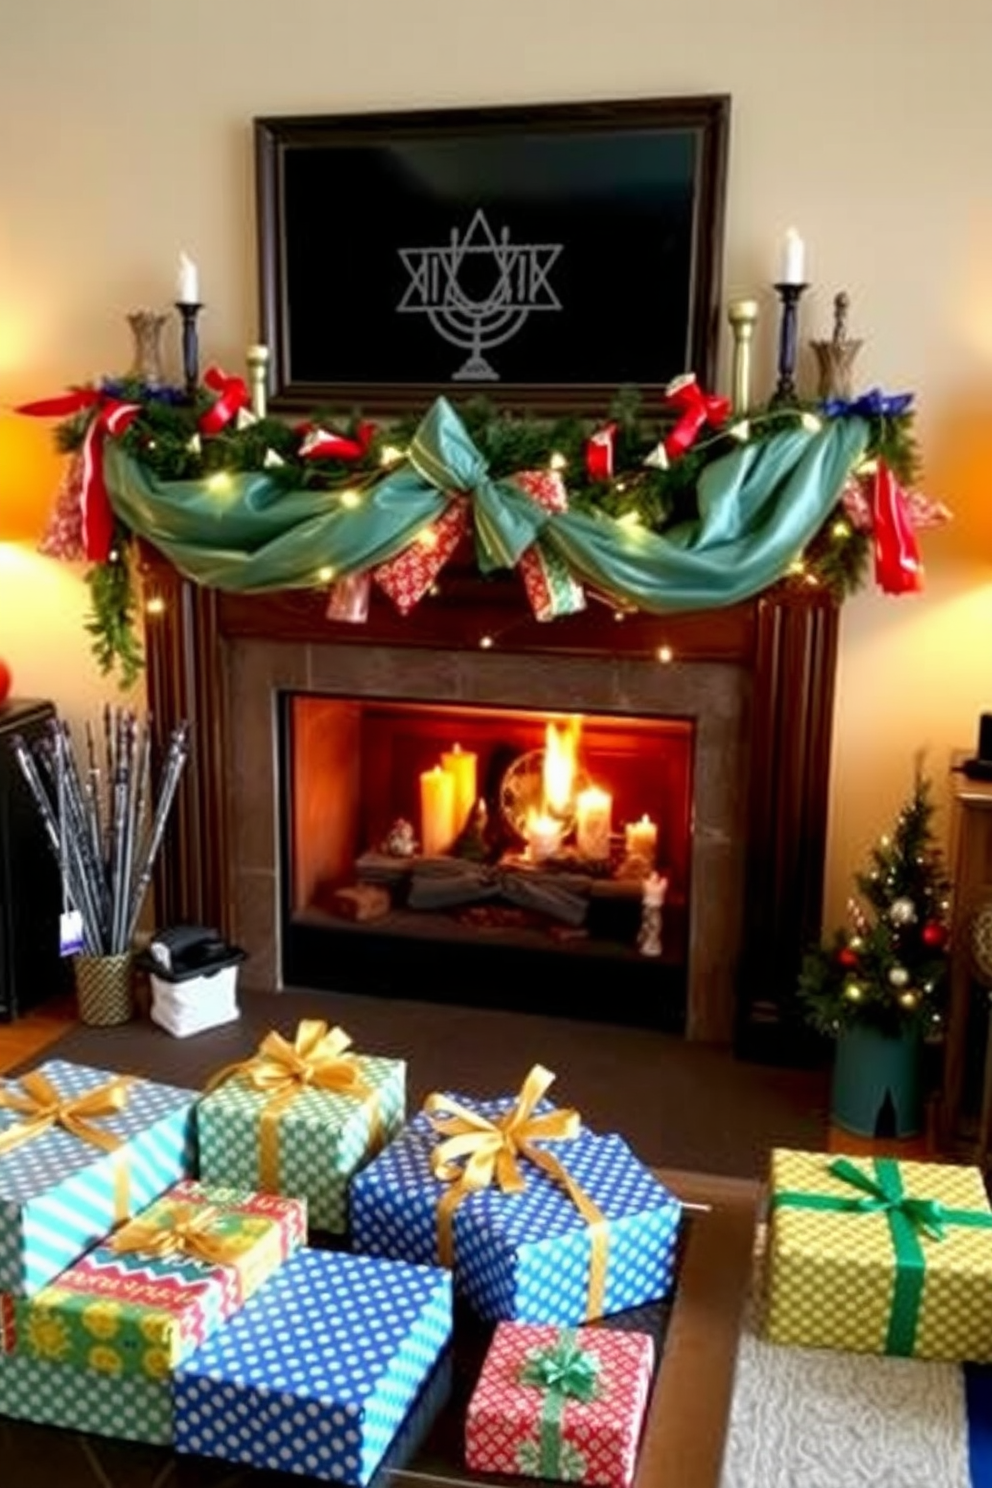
{"x":785,"y":641}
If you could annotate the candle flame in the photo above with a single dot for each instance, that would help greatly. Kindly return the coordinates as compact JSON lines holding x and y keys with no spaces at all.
{"x":560,"y":750}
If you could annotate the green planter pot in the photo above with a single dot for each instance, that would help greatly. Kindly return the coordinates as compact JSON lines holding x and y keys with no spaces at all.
{"x":877,"y":1085}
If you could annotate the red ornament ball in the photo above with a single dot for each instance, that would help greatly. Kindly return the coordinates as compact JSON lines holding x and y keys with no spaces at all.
{"x":5,"y":681}
{"x":934,"y":934}
{"x":847,"y":957}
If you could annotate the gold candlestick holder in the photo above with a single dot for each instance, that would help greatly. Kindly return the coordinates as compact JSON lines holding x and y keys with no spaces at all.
{"x":743,"y":317}
{"x":835,"y":358}
{"x":258,"y":378}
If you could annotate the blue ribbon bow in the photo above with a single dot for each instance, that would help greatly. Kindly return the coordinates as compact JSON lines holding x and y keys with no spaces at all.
{"x":873,"y":404}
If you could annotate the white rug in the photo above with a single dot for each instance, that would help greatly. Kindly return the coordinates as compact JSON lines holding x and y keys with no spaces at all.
{"x":807,"y":1418}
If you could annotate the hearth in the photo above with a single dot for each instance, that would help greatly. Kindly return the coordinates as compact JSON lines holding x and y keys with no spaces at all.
{"x":741,"y":698}
{"x":427,"y":849}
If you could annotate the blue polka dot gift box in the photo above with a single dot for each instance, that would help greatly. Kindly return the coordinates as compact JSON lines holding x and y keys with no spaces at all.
{"x":300,"y":1118}
{"x":131,"y":1409}
{"x":80,"y":1151}
{"x":542,"y":1221}
{"x":317,"y":1372}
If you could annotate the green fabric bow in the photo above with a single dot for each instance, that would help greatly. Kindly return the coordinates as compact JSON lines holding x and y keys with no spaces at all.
{"x":759,"y":506}
{"x":561,"y":1371}
{"x":909,"y":1219}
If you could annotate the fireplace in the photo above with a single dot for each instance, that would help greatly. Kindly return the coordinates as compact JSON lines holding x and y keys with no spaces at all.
{"x":730,"y":709}
{"x":536,"y":834}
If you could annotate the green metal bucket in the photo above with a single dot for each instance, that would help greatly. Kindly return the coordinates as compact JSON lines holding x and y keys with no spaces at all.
{"x":877,"y":1085}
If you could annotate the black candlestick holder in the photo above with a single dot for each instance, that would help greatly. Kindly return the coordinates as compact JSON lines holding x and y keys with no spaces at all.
{"x":788,"y":342}
{"x":191,"y":347}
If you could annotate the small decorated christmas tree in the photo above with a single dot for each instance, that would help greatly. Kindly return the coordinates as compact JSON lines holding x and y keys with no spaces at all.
{"x":888,"y":968}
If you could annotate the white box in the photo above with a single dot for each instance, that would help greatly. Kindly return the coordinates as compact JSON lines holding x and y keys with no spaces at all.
{"x":198,"y":1003}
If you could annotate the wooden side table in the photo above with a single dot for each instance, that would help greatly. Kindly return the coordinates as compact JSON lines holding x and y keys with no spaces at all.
{"x":966,"y":1125}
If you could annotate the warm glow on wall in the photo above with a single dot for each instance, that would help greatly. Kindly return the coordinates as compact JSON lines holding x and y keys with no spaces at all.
{"x":30,"y":468}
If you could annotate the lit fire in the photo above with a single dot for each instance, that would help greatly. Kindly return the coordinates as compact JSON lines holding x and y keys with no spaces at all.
{"x":561,"y":744}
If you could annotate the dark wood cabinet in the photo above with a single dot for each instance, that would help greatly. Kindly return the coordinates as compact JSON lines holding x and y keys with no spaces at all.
{"x":31,"y":970}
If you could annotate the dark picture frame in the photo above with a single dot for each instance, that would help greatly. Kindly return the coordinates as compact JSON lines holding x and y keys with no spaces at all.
{"x":542,"y":256}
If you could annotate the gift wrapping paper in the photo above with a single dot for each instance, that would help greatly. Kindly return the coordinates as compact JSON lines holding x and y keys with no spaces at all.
{"x":59,"y":1195}
{"x":834,"y":1278}
{"x":515,"y":1426}
{"x":124,"y":1313}
{"x":317,"y":1372}
{"x":132,"y":1409}
{"x":323,"y":1137}
{"x":525,"y":1256}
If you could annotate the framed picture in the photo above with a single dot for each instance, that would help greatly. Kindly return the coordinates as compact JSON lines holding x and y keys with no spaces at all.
{"x":542,"y":256}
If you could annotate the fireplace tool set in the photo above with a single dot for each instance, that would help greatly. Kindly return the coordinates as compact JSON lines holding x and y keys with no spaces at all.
{"x":105,"y":824}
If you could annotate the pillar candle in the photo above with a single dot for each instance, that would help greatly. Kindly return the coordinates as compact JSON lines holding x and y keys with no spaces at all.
{"x":593,"y":820}
{"x":187,"y":281}
{"x":461,"y":765}
{"x":543,"y":835}
{"x":793,"y":263}
{"x":642,"y":839}
{"x":437,"y":811}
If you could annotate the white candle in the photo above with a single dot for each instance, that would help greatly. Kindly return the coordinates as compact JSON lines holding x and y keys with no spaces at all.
{"x":543,"y":834}
{"x":437,"y":811}
{"x":188,"y":281}
{"x":793,"y":269}
{"x":642,"y":839}
{"x":593,"y":821}
{"x":461,"y":765}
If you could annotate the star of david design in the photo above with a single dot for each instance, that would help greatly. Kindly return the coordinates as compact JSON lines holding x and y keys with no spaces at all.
{"x":515,"y":279}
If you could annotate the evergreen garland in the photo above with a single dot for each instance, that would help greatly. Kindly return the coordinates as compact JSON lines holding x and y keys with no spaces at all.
{"x":888,"y":968}
{"x":165,"y":439}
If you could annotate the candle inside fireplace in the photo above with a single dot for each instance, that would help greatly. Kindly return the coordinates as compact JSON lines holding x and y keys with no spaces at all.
{"x":642,"y":839}
{"x":543,"y":835}
{"x":461,"y":764}
{"x":437,"y":811}
{"x":593,"y":822}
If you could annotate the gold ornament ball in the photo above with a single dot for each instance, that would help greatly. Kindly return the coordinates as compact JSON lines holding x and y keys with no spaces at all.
{"x":909,"y":999}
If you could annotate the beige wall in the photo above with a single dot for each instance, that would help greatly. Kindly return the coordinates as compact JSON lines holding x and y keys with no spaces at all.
{"x":125,"y":136}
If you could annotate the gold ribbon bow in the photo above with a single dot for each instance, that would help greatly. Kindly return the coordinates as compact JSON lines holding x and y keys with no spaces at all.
{"x":180,"y":1229}
{"x":316,"y":1059}
{"x":43,"y":1107}
{"x":478,"y":1151}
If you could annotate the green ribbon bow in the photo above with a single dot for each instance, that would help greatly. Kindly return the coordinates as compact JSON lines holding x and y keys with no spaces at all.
{"x":758,"y":507}
{"x":561,"y":1371}
{"x":909,"y":1219}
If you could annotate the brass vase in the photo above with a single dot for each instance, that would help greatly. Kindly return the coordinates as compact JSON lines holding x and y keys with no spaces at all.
{"x":103,"y":989}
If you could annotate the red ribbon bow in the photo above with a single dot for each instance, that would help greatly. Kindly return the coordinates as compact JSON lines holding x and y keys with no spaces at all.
{"x":324,"y":444}
{"x":111,"y":417}
{"x":599,"y":453}
{"x":898,"y":566}
{"x":232,"y":396}
{"x":695,"y":408}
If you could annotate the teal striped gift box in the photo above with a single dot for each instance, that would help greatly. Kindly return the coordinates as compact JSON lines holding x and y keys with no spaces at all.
{"x":59,"y":1193}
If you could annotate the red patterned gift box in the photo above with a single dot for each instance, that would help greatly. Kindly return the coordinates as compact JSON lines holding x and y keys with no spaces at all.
{"x":560,"y":1403}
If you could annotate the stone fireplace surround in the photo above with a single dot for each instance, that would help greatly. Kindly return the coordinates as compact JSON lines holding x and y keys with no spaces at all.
{"x":757,"y":681}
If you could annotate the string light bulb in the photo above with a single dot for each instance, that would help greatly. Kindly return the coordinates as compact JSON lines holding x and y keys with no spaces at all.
{"x":325,"y":574}
{"x":853,"y":992}
{"x":155,"y":605}
{"x":741,"y":431}
{"x":840,"y":529}
{"x":557,"y":461}
{"x":350,"y":498}
{"x":618,"y":616}
{"x":486,"y":643}
{"x":427,"y":538}
{"x":810,"y":422}
{"x":630,"y":520}
{"x":219,"y":484}
{"x":664,"y":654}
{"x":391,"y":454}
{"x":866,"y":467}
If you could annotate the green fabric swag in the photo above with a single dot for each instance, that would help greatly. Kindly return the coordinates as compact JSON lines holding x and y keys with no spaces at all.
{"x":908,"y":1218}
{"x":759,"y":506}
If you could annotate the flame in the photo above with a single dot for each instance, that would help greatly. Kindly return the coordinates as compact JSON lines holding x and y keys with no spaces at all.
{"x":560,"y":750}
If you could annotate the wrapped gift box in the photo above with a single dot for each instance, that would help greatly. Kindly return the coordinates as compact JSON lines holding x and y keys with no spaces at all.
{"x":130,"y":1409}
{"x":315,"y":1143}
{"x":529,"y":1255}
{"x":125,"y":1312}
{"x":854,"y":1260}
{"x":59,"y":1194}
{"x":560,"y":1403}
{"x":317,"y":1372}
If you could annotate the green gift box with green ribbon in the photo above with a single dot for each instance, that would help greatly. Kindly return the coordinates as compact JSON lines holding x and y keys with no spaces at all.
{"x":565,"y":1404}
{"x":878,"y":1256}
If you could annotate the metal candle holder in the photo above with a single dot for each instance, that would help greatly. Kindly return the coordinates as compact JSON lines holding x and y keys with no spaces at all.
{"x":788,"y":342}
{"x":258,"y":378}
{"x":191,"y":347}
{"x":743,"y":317}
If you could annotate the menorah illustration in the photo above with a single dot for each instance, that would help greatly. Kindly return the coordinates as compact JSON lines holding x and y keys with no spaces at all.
{"x":515,"y":276}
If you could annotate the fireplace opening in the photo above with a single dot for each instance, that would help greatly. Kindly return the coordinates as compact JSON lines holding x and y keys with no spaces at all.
{"x":487,"y":855}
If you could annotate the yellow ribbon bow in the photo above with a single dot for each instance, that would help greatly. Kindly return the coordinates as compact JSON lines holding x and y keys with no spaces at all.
{"x":42,"y":1107}
{"x":478,"y":1151}
{"x":180,"y":1229}
{"x":316,"y":1059}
